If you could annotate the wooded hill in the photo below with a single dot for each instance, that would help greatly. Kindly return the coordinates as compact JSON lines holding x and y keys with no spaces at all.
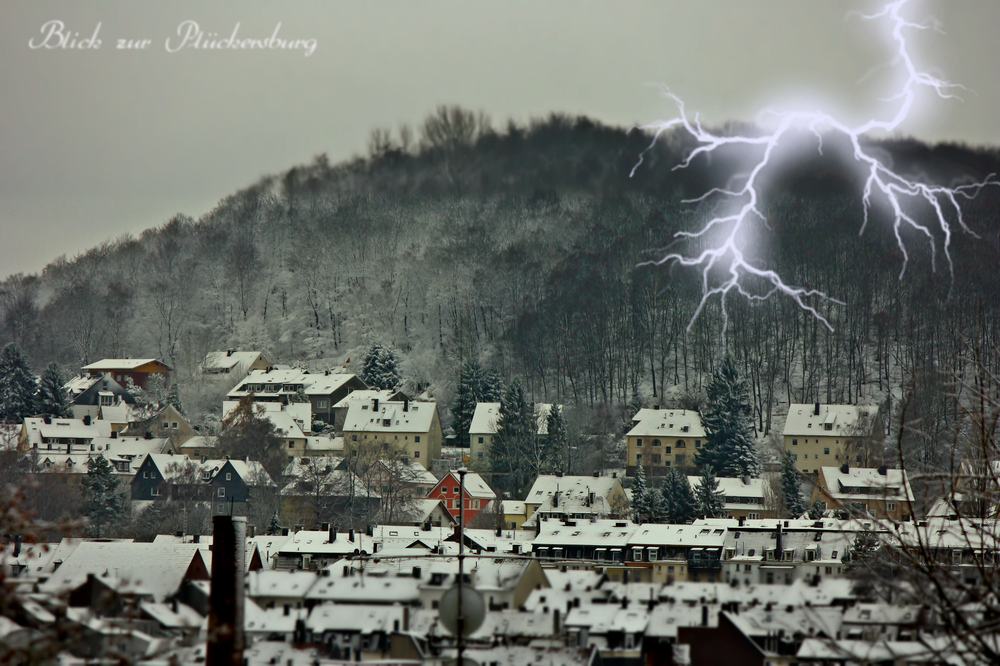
{"x":522,"y":247}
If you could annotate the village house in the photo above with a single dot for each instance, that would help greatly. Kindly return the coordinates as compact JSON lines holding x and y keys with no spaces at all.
{"x":882,"y":493}
{"x":557,"y":496}
{"x":744,"y":496}
{"x":234,"y":484}
{"x":483,"y":430}
{"x":411,"y":428}
{"x":821,"y":435}
{"x":139,"y":370}
{"x":476,"y":498}
{"x":162,"y":477}
{"x":664,"y":438}
{"x":320,"y":490}
{"x":168,"y":423}
{"x":90,"y":393}
{"x":342,"y":406}
{"x":47,"y":434}
{"x":233,"y":364}
{"x":322,"y":389}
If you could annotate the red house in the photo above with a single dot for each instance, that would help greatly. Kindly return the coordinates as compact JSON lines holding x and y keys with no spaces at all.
{"x":477,"y":495}
{"x":139,"y":369}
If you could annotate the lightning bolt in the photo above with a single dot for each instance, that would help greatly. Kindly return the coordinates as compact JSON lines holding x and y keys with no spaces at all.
{"x":728,"y":255}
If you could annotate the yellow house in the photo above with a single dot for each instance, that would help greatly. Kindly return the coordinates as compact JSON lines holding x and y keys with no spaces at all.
{"x":881,"y":493}
{"x":482,"y":430}
{"x":411,"y":427}
{"x":664,"y":438}
{"x":818,"y":435}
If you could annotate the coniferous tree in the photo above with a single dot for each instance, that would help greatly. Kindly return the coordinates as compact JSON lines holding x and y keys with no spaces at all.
{"x":817,"y":510}
{"x":52,"y":398}
{"x":709,"y":501}
{"x":492,"y":387}
{"x":17,"y":386}
{"x":174,"y":398}
{"x":640,"y":496}
{"x":103,"y":499}
{"x":677,"y":495}
{"x":381,"y":368}
{"x":514,"y":440}
{"x":468,"y":394}
{"x":557,"y":441}
{"x":791,"y":490}
{"x":729,"y":449}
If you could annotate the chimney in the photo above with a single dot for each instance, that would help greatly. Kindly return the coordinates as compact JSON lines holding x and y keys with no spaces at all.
{"x":86,"y":419}
{"x":114,"y":434}
{"x":324,"y":526}
{"x":416,"y":572}
{"x":777,"y":545}
{"x":47,"y":419}
{"x":745,"y":480}
{"x":845,"y":468}
{"x":350,"y":536}
{"x":226,"y":599}
{"x":742,"y":520}
{"x":229,"y":352}
{"x":374,"y":404}
{"x":17,"y":545}
{"x":704,"y":616}
{"x":816,"y":409}
{"x":288,"y":610}
{"x":882,"y":470}
{"x":597,"y":475}
{"x":332,"y":534}
{"x":196,"y":538}
{"x":406,"y":404}
{"x":556,"y":624}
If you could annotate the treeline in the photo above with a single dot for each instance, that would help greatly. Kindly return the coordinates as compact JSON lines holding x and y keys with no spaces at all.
{"x":523,"y":247}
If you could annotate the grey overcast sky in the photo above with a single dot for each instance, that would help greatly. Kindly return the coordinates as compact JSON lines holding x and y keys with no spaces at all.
{"x":97,"y":143}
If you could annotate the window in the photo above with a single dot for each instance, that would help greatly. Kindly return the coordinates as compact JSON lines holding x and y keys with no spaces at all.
{"x":154,"y":492}
{"x":680,"y":444}
{"x":697,"y":443}
{"x":229,"y":476}
{"x":479,"y":455}
{"x":416,"y":454}
{"x":890,"y":506}
{"x":107,"y":400}
{"x":417,"y":440}
{"x":638,"y":442}
{"x":291,"y":445}
{"x":826,"y":451}
{"x":455,"y":490}
{"x":166,"y":425}
{"x":197,"y":453}
{"x":354,"y":438}
{"x":173,"y":425}
{"x":795,"y":442}
{"x":221,"y":493}
{"x":753,"y":516}
{"x":480,"y":440}
{"x":638,"y":457}
{"x":795,"y":457}
{"x":321,"y":404}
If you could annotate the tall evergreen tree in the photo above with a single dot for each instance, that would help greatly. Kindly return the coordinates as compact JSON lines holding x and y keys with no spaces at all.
{"x":677,"y":495}
{"x":468,"y":394}
{"x":514,"y":440}
{"x":557,"y":441}
{"x":174,"y":398}
{"x":381,"y":368}
{"x":491,"y":389}
{"x":17,"y":386}
{"x":791,"y":489}
{"x":52,"y":398}
{"x":101,"y":490}
{"x":729,"y":449}
{"x":709,"y":501}
{"x":640,"y":496}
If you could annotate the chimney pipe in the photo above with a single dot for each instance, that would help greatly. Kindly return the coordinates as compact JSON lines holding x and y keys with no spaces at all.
{"x":226,"y":600}
{"x":704,"y":616}
{"x":816,"y":409}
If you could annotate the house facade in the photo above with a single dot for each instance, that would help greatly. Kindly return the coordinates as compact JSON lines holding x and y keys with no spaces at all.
{"x":139,"y":370}
{"x":412,"y":428}
{"x":882,"y":493}
{"x":661,"y":439}
{"x":819,"y":435}
{"x":322,"y":389}
{"x":475,"y":499}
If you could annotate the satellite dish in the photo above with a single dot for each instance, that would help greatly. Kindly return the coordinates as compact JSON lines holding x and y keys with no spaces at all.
{"x":473,"y":608}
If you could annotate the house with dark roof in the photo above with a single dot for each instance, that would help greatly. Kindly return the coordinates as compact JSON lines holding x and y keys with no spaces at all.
{"x":139,"y":370}
{"x":90,"y":393}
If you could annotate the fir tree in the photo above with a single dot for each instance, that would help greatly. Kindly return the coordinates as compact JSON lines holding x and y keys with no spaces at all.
{"x":677,"y":495}
{"x":659,"y":509}
{"x":101,"y":490}
{"x":174,"y":398}
{"x":381,"y":368}
{"x":557,"y":441}
{"x":729,"y":449}
{"x":791,"y":489}
{"x":514,"y":440}
{"x":52,"y":398}
{"x":468,"y":394}
{"x":274,"y":528}
{"x":709,"y":501}
{"x":491,"y":389}
{"x":17,"y":386}
{"x":640,"y":496}
{"x":817,"y":510}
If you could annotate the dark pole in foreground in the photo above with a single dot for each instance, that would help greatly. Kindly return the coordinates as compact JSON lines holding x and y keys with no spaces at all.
{"x":461,"y":562}
{"x":225,"y":603}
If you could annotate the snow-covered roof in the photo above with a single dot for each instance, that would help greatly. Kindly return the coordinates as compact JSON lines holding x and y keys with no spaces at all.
{"x":310,"y":542}
{"x":364,"y":619}
{"x":306,"y":471}
{"x":227,"y":360}
{"x":177,"y":467}
{"x":858,"y":483}
{"x":37,"y":430}
{"x":734,"y":486}
{"x":611,"y":533}
{"x":109,"y":364}
{"x":80,"y":383}
{"x":200,"y":442}
{"x":417,"y":417}
{"x":667,"y":423}
{"x":252,"y":472}
{"x":366,"y":396}
{"x":475,"y":486}
{"x":832,"y":420}
{"x":293,"y":420}
{"x":153,"y":568}
{"x":570,"y":487}
{"x":685,"y":536}
{"x":275,"y":380}
{"x":486,"y":415}
{"x":484,"y":418}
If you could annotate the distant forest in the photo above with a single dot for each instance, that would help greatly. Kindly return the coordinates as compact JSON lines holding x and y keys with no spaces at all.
{"x":522,"y":246}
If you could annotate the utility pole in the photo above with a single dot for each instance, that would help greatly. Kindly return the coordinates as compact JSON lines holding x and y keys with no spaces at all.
{"x":462,"y":471}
